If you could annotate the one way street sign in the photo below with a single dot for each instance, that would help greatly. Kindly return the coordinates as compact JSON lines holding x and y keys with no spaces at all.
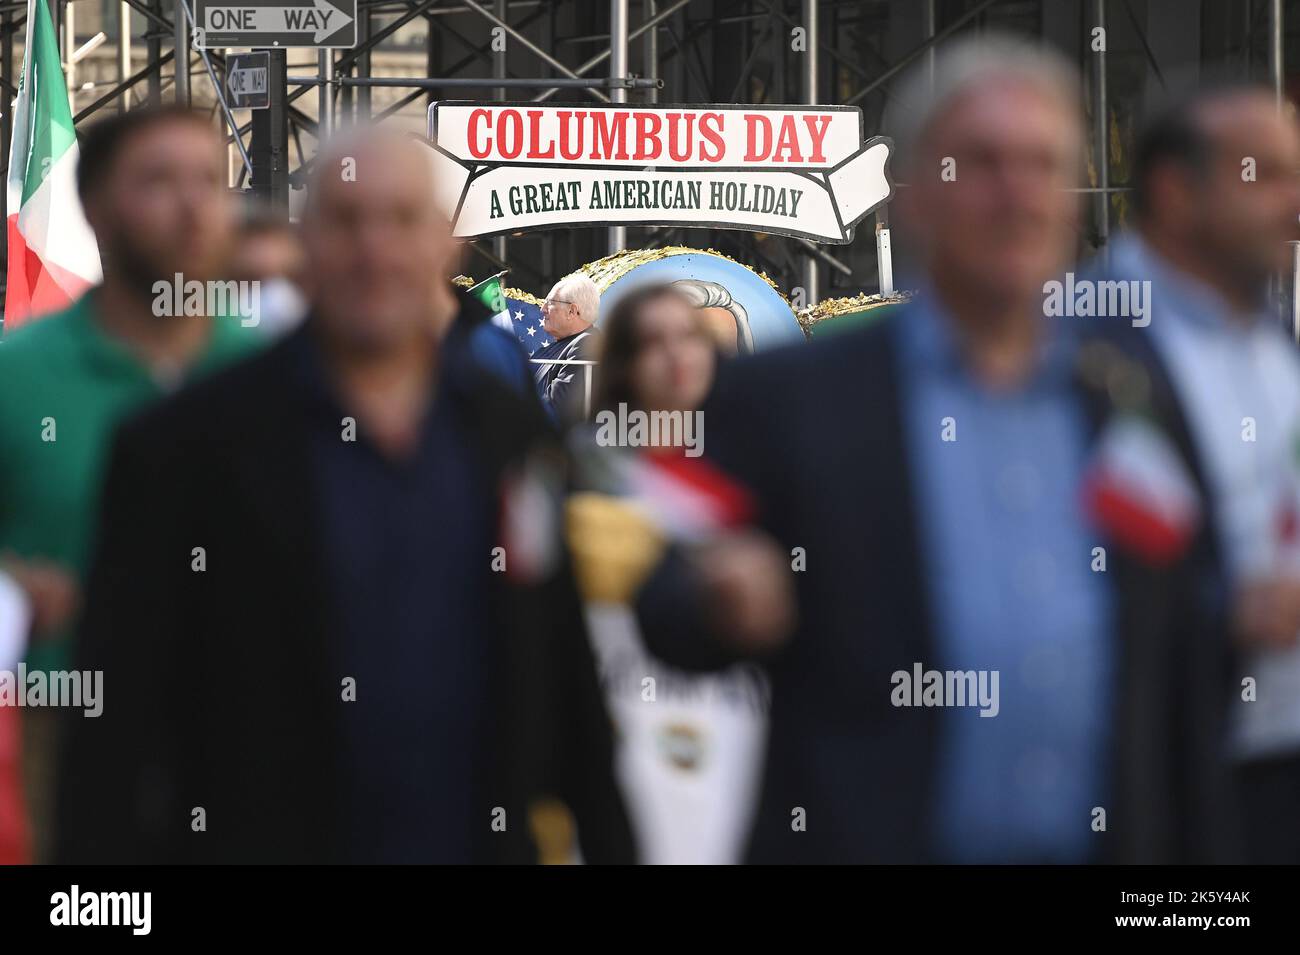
{"x":275,"y":23}
{"x":248,"y":80}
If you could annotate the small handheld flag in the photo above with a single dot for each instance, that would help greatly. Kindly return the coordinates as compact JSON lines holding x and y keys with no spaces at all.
{"x":491,"y":294}
{"x":1139,"y":490}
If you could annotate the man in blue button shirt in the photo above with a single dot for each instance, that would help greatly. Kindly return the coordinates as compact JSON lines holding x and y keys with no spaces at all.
{"x":982,"y":671}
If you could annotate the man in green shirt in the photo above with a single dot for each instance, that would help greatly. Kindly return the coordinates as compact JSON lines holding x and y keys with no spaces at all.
{"x":153,"y":185}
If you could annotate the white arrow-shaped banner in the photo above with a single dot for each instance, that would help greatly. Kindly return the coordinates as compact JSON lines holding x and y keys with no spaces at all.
{"x":321,"y":19}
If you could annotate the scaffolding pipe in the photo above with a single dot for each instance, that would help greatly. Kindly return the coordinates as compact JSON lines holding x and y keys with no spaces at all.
{"x":499,"y":248}
{"x":182,"y":63}
{"x":1275,"y":48}
{"x":617,"y":69}
{"x":825,"y":256}
{"x":929,"y":44}
{"x":461,"y":82}
{"x":364,"y":61}
{"x":536,"y":50}
{"x":153,"y":52}
{"x":651,"y":50}
{"x":931,"y":25}
{"x":599,"y":58}
{"x":69,"y":54}
{"x":325,"y":101}
{"x":1277,"y":72}
{"x":124,"y":48}
{"x":369,"y":42}
{"x":499,"y":60}
{"x":1101,"y":126}
{"x":218,"y":88}
{"x":810,"y":98}
{"x":150,"y":71}
{"x":162,"y":23}
{"x":884,"y":252}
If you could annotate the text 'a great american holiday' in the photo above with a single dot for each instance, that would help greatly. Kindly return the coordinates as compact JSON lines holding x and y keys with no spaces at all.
{"x":802,"y":171}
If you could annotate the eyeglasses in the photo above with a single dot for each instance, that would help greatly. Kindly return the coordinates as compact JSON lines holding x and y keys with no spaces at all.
{"x":555,"y":301}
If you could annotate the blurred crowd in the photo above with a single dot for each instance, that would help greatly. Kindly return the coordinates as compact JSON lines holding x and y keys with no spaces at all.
{"x":989,"y":580}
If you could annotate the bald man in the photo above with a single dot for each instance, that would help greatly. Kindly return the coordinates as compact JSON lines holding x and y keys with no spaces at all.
{"x":320,"y":650}
{"x":1217,"y":199}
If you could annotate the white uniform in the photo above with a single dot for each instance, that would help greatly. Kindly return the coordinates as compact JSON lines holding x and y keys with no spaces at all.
{"x":690,"y":745}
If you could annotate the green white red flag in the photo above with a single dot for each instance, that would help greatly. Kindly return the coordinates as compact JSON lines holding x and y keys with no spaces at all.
{"x":53,"y":257}
{"x":1140,"y":491}
{"x":491,"y":293}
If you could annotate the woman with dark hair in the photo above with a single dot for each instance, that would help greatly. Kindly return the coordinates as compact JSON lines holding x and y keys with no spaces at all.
{"x":689,"y":744}
{"x":657,"y":354}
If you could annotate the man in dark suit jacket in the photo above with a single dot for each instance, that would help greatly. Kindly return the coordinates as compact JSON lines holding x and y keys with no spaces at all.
{"x":320,"y":644}
{"x":929,"y":480}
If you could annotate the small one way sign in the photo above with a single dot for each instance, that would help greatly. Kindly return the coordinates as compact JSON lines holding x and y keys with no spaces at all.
{"x":262,"y":24}
{"x":248,"y":80}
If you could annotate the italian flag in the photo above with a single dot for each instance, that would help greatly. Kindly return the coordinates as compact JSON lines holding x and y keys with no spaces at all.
{"x":1139,"y":491}
{"x":688,"y":498}
{"x":491,"y":293}
{"x":52,"y":253}
{"x":15,"y":836}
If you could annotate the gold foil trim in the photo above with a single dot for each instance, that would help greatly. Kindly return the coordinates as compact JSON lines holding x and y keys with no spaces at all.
{"x":522,"y":296}
{"x":605,"y":272}
{"x":862,"y":302}
{"x":467,"y":281}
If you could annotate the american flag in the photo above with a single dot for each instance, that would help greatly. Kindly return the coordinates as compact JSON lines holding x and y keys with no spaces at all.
{"x":526,"y":319}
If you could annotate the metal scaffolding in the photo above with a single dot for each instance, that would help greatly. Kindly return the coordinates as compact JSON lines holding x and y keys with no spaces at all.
{"x":412,"y":52}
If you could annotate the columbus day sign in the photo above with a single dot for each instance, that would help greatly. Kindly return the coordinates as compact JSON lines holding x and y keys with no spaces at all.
{"x":790,"y":170}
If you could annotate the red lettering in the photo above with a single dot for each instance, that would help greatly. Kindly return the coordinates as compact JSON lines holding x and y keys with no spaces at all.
{"x":510,"y":142}
{"x":471,"y":134}
{"x":535,"y":136}
{"x":752,"y":125}
{"x":648,"y":126}
{"x":787,"y":141}
{"x":565,"y":151}
{"x":675,"y":154}
{"x":711,"y":130}
{"x":818,"y":137}
{"x":606,"y":128}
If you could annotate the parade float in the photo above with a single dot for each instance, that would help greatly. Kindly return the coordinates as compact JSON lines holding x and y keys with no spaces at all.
{"x":748,"y":304}
{"x":806,"y":172}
